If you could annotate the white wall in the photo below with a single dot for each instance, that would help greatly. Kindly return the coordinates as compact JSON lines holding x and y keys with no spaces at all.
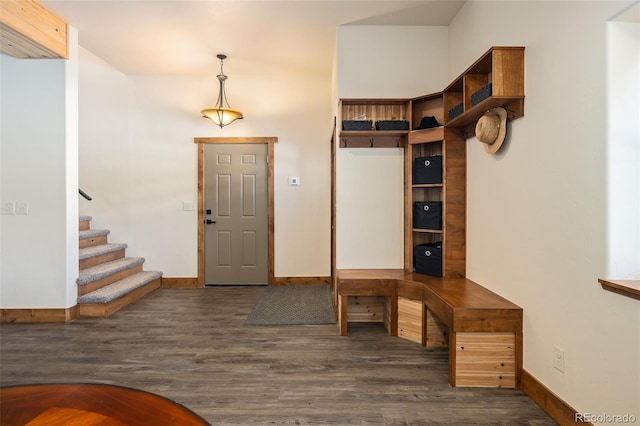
{"x":39,"y":160}
{"x":103,"y":146}
{"x":145,"y":164}
{"x":380,"y":62}
{"x":623,"y":153}
{"x":537,"y":210}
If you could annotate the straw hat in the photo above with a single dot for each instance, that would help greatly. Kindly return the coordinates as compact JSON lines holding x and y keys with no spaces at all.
{"x":491,"y":129}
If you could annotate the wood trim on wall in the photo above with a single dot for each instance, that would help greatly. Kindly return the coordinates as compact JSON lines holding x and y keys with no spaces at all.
{"x":180,"y":282}
{"x":334,"y":210}
{"x":270,"y":141}
{"x":39,"y":315}
{"x":551,"y":403}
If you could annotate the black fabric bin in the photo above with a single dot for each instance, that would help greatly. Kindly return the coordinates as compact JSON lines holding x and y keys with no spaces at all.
{"x":392,"y":125}
{"x":427,"y":169}
{"x":427,"y":259}
{"x":357,"y":124}
{"x":456,"y":111}
{"x":483,"y":93}
{"x":427,"y":214}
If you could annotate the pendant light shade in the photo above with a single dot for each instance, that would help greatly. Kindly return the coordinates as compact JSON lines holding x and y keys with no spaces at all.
{"x":222,"y":114}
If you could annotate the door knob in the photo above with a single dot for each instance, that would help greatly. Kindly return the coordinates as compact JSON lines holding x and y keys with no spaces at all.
{"x":209,"y":221}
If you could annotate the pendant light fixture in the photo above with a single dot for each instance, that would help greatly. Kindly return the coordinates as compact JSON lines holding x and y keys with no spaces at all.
{"x":222,"y":114}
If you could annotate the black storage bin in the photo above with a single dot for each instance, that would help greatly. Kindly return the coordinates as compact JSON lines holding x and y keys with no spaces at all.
{"x":392,"y":125}
{"x":357,"y":124}
{"x":483,"y":93}
{"x":427,"y":169}
{"x":427,"y":214}
{"x":427,"y":259}
{"x":456,"y":111}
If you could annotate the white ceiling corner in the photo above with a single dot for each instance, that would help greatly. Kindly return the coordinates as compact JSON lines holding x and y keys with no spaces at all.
{"x":265,"y":36}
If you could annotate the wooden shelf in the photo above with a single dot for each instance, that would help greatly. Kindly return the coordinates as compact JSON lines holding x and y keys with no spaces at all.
{"x":503,"y":68}
{"x":426,"y":185}
{"x":435,"y":134}
{"x":374,"y":110}
{"x":373,"y":139}
{"x":629,"y":288}
{"x":373,"y":133}
{"x":428,"y":231}
{"x":514,"y":107}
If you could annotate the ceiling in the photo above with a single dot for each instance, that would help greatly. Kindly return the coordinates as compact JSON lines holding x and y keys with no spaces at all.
{"x":258,"y":36}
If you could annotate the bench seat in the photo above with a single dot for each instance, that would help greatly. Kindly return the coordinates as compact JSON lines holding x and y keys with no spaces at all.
{"x":484,"y":330}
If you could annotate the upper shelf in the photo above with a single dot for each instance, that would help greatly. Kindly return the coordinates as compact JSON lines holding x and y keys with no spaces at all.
{"x":434,"y":134}
{"x":496,"y":79}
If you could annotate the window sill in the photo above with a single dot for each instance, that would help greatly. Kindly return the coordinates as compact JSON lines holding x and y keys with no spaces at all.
{"x":629,"y":288}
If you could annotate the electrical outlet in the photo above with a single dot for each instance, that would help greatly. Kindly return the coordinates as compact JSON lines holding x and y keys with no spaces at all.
{"x":558,"y":358}
{"x":8,"y":207}
{"x":22,"y":207}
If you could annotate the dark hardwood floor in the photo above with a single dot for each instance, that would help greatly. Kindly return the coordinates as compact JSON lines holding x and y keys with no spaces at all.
{"x":190,"y":345}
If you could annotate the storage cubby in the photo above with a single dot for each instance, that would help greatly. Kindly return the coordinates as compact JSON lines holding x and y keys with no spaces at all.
{"x":426,"y":106}
{"x":451,"y":192}
{"x":374,"y":111}
{"x":453,"y":99}
{"x":410,"y":319}
{"x":496,"y":79}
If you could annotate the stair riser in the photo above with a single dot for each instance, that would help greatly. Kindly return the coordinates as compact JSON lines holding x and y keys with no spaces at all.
{"x":106,"y":309}
{"x":88,"y":288}
{"x":85,"y":225}
{"x":97,"y":260}
{"x":95,"y":241}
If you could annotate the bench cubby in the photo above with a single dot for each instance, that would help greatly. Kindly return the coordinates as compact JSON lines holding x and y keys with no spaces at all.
{"x":482,"y":330}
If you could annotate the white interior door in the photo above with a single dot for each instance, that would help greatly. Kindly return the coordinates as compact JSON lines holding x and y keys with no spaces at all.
{"x":235,"y":202}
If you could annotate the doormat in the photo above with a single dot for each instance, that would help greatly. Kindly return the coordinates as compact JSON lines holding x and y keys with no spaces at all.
{"x":293,"y":305}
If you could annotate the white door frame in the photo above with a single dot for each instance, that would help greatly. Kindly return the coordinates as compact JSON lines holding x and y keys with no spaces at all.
{"x":270,"y":141}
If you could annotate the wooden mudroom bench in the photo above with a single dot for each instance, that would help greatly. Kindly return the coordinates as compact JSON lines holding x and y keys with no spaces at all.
{"x":482,"y":329}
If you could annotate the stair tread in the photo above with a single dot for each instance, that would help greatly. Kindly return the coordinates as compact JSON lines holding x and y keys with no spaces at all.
{"x":119,"y":288}
{"x":88,"y":252}
{"x":92,"y":233}
{"x":85,"y":219}
{"x":106,"y":269}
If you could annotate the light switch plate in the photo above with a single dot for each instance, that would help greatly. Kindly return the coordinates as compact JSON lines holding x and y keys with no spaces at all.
{"x":188,"y":206}
{"x":294,"y":181}
{"x":22,"y":207}
{"x":7,"y":207}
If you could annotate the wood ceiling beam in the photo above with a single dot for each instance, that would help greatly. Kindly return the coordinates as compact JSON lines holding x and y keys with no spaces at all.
{"x":29,"y":30}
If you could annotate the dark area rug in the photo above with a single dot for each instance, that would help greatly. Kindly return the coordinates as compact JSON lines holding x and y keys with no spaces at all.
{"x":293,"y":305}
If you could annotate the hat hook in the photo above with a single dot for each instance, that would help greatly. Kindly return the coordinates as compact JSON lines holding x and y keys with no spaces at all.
{"x":510,"y":113}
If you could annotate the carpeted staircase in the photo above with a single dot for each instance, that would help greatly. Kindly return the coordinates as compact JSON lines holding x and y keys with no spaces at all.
{"x":108,"y":279}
